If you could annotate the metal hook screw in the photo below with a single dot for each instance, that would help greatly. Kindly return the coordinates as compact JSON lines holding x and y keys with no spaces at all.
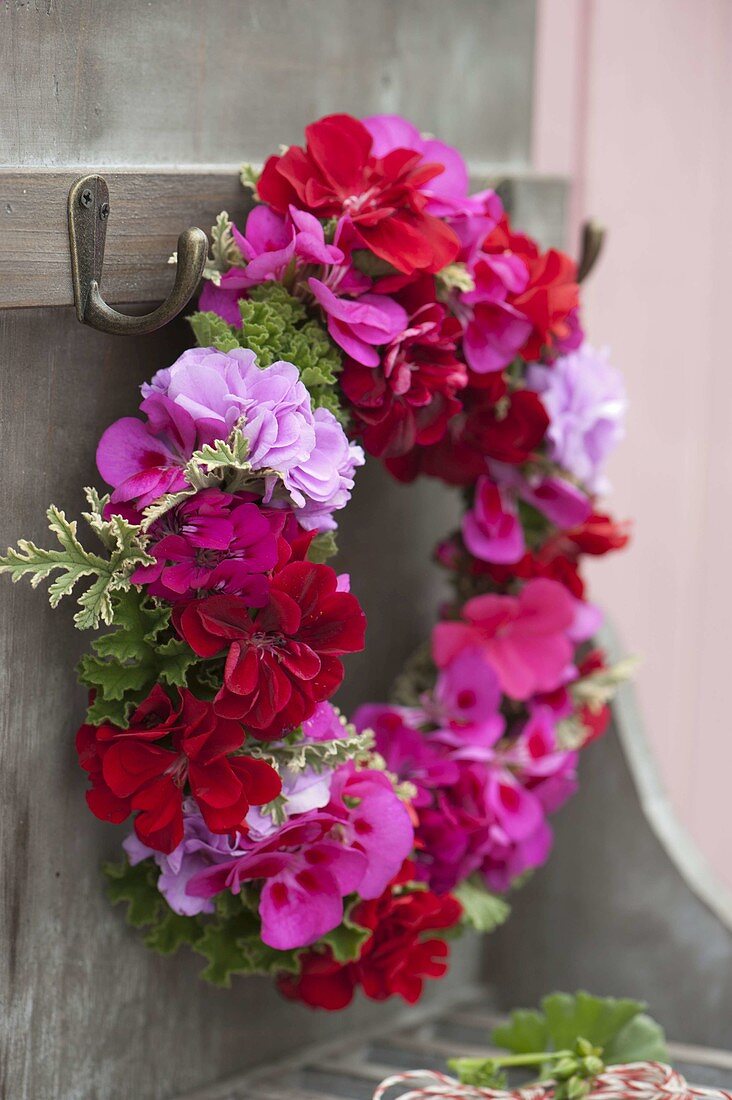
{"x":86,"y":198}
{"x":104,"y":210}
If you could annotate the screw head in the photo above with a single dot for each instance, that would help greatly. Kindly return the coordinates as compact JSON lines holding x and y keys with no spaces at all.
{"x":86,"y":198}
{"x":104,"y":210}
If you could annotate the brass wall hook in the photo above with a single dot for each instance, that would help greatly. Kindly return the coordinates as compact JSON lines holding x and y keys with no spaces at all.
{"x":593,"y":239}
{"x":88,"y":215}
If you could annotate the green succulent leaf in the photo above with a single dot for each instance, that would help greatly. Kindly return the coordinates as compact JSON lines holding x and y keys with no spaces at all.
{"x":481,"y":909}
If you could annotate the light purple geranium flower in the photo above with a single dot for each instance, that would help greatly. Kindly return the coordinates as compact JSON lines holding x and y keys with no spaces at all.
{"x":306,"y":877}
{"x":491,"y":529}
{"x":199,"y":850}
{"x":213,"y":541}
{"x":323,"y":485}
{"x":360,"y":325}
{"x":301,"y":792}
{"x":585,"y":399}
{"x":202,"y":397}
{"x":221,"y":390}
{"x":310,"y":864}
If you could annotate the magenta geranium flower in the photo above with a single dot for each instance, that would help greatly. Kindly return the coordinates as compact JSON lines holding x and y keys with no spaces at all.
{"x":212,"y":542}
{"x":311,"y":864}
{"x":362,"y":324}
{"x":448,"y":191}
{"x":491,"y":529}
{"x":526,"y":638}
{"x":306,"y":877}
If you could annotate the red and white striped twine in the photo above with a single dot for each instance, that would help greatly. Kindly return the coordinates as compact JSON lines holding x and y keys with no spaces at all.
{"x":635,"y":1081}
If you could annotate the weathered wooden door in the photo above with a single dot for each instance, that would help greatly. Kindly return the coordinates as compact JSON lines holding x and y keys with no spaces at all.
{"x":169,"y":97}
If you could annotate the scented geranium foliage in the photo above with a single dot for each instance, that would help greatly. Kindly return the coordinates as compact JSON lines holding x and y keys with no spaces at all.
{"x":368,"y":302}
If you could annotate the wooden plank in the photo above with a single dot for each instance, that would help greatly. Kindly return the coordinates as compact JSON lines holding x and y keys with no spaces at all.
{"x":148,"y":210}
{"x":151,"y":206}
{"x":182,"y":81}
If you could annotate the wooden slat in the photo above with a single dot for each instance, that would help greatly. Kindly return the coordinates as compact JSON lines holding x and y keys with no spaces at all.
{"x":148,"y":210}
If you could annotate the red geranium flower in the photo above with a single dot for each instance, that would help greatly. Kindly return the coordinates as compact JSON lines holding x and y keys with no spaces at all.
{"x":595,"y":720}
{"x":131,"y":773}
{"x":599,"y":534}
{"x":551,"y":296}
{"x":503,"y":424}
{"x":496,"y":422}
{"x":336,"y":174}
{"x":395,"y":959}
{"x":410,"y":397}
{"x":283,"y":659}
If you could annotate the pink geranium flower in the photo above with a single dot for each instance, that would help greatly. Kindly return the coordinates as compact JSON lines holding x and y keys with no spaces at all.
{"x":311,"y":864}
{"x":360,"y":326}
{"x":526,"y":637}
{"x":491,"y":529}
{"x":306,"y":875}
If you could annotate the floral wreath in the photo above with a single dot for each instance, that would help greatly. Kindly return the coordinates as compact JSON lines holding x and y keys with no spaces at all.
{"x":368,"y":302}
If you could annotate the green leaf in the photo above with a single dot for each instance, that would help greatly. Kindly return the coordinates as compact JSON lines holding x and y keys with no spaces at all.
{"x":222,"y":944}
{"x":225,"y":252}
{"x":171,"y":931}
{"x":74,"y":563}
{"x":348,"y":938}
{"x":618,"y":1026}
{"x":212,"y":331}
{"x":526,"y":1033}
{"x":136,"y":886}
{"x":318,"y":755}
{"x":231,"y":452}
{"x":482,"y":909}
{"x":140,"y":651}
{"x":641,"y":1040}
{"x":249,"y":176}
{"x":323,"y":547}
{"x":372,"y":265}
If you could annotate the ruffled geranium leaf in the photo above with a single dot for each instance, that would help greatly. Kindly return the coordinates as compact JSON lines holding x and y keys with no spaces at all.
{"x":481,"y":909}
{"x":347,"y":939}
{"x":171,"y":931}
{"x":74,"y":563}
{"x":136,"y":886}
{"x":618,"y":1026}
{"x":112,"y":679}
{"x":212,"y":331}
{"x":128,"y":660}
{"x":223,"y":944}
{"x":323,"y":547}
{"x":276,"y":326}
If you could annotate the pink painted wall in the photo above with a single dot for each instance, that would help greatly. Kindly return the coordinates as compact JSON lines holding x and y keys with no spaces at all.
{"x":634,"y":102}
